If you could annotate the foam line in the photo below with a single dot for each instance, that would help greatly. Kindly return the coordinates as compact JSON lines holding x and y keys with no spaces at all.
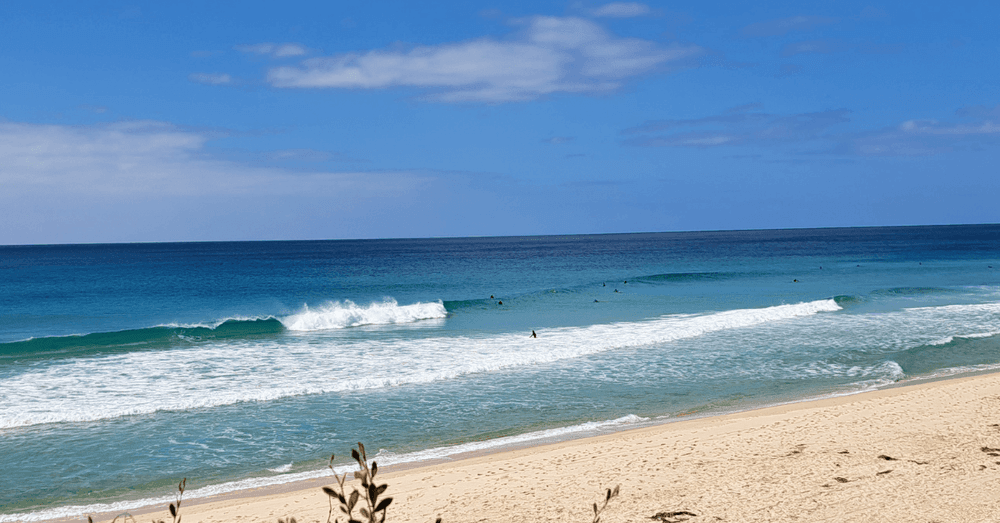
{"x":383,"y":458}
{"x":226,"y":372}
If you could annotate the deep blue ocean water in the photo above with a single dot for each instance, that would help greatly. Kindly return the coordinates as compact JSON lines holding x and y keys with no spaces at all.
{"x":124,"y":368}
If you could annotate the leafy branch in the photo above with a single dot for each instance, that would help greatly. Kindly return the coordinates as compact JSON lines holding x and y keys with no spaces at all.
{"x":374,"y":507}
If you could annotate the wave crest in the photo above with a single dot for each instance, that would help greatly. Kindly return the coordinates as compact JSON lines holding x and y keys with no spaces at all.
{"x":338,"y":315}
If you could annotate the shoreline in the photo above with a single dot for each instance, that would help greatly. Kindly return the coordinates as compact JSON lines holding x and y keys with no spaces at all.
{"x":258,"y":504}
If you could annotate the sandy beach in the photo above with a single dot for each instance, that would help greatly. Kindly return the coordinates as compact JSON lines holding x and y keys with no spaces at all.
{"x":924,"y":452}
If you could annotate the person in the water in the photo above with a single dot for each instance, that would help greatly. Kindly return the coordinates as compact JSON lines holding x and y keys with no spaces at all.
{"x":533,"y":335}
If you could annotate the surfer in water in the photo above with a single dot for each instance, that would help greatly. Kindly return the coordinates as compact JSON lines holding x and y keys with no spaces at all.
{"x":533,"y":335}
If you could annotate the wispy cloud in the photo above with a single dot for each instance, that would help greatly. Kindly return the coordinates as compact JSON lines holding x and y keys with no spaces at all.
{"x":977,"y":126}
{"x":972,"y":127}
{"x":744,"y":125}
{"x":558,"y":140}
{"x":210,"y":78}
{"x":272,"y":49}
{"x":145,"y":180}
{"x":622,"y":10}
{"x":156,"y":158}
{"x":784,"y":26}
{"x":550,"y":55}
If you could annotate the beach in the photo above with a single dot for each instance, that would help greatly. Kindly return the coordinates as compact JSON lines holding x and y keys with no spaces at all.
{"x":923,"y":452}
{"x":242,"y":366}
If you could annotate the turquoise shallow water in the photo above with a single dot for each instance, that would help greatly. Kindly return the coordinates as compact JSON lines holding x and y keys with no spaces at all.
{"x":126,"y":367}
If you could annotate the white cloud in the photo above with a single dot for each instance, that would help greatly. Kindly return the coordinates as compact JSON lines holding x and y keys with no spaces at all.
{"x":934,"y":127}
{"x":743,"y":125}
{"x":272,"y":49}
{"x":622,"y":10}
{"x":154,"y":158}
{"x":152,"y":181}
{"x":550,"y":55}
{"x":926,"y":137}
{"x":210,"y":78}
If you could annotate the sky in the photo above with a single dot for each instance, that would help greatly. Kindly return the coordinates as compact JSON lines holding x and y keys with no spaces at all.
{"x":204,"y":121}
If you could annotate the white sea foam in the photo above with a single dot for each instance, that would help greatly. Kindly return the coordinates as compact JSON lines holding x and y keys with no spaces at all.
{"x":236,"y":371}
{"x":282,"y":469}
{"x":948,"y":339}
{"x":338,"y":315}
{"x":388,"y":458}
{"x":964,"y":369}
{"x":383,"y":458}
{"x":887,"y":373}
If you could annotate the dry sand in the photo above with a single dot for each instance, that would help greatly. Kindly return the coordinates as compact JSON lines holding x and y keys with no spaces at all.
{"x":926,"y":452}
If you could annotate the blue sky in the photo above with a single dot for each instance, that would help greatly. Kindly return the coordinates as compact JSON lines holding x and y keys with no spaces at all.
{"x":177,"y":121}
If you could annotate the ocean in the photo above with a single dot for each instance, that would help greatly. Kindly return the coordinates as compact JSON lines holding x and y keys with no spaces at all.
{"x":126,"y":367}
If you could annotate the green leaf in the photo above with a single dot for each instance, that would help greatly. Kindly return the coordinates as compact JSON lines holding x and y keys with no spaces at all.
{"x":354,"y":499}
{"x":382,"y":505}
{"x":173,"y":511}
{"x":330,"y":492}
